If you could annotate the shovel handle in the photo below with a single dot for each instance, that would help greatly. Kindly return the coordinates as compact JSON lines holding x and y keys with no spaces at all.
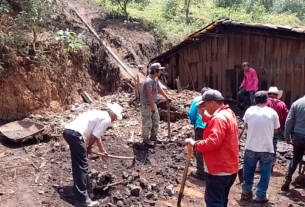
{"x":189,"y":151}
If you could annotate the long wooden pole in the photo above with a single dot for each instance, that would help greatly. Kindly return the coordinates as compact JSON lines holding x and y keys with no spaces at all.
{"x":104,"y":44}
{"x":114,"y":156}
{"x":187,"y":164}
{"x":169,"y":121}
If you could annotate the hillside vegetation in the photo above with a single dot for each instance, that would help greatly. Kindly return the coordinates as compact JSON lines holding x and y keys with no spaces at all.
{"x":173,"y":20}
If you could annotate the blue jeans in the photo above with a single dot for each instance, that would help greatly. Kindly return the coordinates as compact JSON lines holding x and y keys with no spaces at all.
{"x":243,"y":95}
{"x":217,"y":189}
{"x":298,"y":152}
{"x":265,"y":163}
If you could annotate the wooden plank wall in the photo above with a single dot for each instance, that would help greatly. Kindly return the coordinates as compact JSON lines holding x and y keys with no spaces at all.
{"x":216,"y":63}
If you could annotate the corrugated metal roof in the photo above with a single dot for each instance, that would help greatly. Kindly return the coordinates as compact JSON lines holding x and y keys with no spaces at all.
{"x":193,"y":37}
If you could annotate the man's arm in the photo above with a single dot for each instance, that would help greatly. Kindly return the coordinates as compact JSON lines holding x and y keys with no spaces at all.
{"x":290,"y":122}
{"x":101,"y":147}
{"x":92,"y":140}
{"x":255,"y":79}
{"x":192,"y":113}
{"x":216,"y":135}
{"x":285,"y":111}
{"x":150,"y":99}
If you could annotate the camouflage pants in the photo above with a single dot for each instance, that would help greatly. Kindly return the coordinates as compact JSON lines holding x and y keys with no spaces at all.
{"x":150,"y":121}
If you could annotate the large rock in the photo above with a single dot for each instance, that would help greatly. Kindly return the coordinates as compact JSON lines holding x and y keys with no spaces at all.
{"x":135,"y":190}
{"x":170,"y":190}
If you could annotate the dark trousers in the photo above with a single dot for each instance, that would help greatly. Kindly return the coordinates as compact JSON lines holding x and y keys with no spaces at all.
{"x":244,"y":95}
{"x":199,"y":156}
{"x":79,"y":164}
{"x":217,"y":189}
{"x":298,"y":152}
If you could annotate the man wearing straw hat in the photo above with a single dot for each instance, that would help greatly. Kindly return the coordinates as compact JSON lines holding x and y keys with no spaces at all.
{"x":81,"y":134}
{"x":281,"y":109}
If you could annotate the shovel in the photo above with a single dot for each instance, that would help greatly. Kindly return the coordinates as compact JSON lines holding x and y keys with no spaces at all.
{"x":188,"y":160}
{"x":241,"y":170}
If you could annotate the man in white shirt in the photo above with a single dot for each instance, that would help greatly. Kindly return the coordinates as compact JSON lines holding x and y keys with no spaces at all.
{"x":81,"y":134}
{"x":262,"y":122}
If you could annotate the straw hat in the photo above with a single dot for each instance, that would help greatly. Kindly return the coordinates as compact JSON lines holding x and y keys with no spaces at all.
{"x":275,"y":90}
{"x":116,"y":109}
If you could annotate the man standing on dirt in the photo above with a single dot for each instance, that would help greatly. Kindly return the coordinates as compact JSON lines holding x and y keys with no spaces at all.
{"x":294,"y":127}
{"x":148,"y":108}
{"x":249,"y":85}
{"x":199,"y":123}
{"x":81,"y":134}
{"x":220,"y":148}
{"x":281,"y":109}
{"x":261,"y":122}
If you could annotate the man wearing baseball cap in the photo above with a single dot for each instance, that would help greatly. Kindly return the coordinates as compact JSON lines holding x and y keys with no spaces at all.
{"x":220,"y":148}
{"x":249,"y":85}
{"x":261,"y":123}
{"x":81,"y":134}
{"x":148,"y":108}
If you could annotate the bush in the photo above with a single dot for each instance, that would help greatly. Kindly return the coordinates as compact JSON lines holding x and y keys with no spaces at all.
{"x":169,"y":9}
{"x":294,"y":6}
{"x":227,"y":3}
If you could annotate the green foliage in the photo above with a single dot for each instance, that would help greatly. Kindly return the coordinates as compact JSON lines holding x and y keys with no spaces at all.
{"x":169,"y":9}
{"x":69,"y":39}
{"x":227,"y":3}
{"x":166,"y":18}
{"x":294,"y":6}
{"x":4,"y":8}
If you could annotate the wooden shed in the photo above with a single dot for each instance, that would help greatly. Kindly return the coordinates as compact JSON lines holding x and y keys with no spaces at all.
{"x":213,"y":57}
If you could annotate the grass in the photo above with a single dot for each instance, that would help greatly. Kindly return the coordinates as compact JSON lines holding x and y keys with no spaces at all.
{"x":174,"y":29}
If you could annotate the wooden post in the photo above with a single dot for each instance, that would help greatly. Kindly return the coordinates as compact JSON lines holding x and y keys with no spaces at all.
{"x":178,"y":84}
{"x":169,"y":121}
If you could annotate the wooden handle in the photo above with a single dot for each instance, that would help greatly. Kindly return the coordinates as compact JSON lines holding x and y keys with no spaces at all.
{"x":168,"y":121}
{"x":114,"y":156}
{"x":189,"y":151}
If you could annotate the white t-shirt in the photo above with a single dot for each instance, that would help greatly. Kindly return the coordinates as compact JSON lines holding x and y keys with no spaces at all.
{"x":91,"y":122}
{"x":261,"y":124}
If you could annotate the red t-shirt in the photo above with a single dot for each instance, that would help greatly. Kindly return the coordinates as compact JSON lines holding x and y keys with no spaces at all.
{"x":280,"y":108}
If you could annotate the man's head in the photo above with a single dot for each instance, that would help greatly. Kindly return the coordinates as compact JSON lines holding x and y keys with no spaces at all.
{"x":114,"y":111}
{"x":246,"y":66}
{"x":211,"y":101}
{"x":156,"y":69}
{"x":274,"y":92}
{"x":261,"y":98}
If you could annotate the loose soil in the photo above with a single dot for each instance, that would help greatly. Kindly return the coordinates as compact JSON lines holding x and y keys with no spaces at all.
{"x":38,"y":172}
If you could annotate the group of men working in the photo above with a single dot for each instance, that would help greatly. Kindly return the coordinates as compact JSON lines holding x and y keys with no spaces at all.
{"x":265,"y":122}
{"x":216,"y":137}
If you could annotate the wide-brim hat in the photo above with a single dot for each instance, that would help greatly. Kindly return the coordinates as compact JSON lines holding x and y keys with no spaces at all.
{"x":116,"y":109}
{"x":275,"y":90}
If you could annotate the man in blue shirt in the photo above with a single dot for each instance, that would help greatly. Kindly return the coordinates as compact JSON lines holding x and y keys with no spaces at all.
{"x":199,"y":125}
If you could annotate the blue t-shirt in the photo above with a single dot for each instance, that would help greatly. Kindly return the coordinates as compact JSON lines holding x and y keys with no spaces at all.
{"x":194,"y":115}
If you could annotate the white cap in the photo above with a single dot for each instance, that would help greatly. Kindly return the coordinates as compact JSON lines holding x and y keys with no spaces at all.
{"x":116,"y":109}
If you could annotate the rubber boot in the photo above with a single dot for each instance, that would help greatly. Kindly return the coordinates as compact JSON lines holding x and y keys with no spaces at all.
{"x":285,"y":186}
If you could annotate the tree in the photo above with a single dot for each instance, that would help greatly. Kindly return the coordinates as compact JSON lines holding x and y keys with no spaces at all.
{"x":122,"y":4}
{"x":187,"y":4}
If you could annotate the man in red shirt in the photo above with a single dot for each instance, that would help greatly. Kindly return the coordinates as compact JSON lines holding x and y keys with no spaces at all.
{"x":249,"y":85}
{"x":281,"y":109}
{"x":220,"y":148}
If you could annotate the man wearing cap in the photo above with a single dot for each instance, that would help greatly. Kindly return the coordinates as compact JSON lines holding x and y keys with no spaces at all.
{"x":249,"y":85}
{"x":199,"y":123}
{"x":294,"y":127}
{"x":281,"y":109}
{"x":220,"y":148}
{"x":261,"y":123}
{"x":148,"y":108}
{"x":81,"y":134}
